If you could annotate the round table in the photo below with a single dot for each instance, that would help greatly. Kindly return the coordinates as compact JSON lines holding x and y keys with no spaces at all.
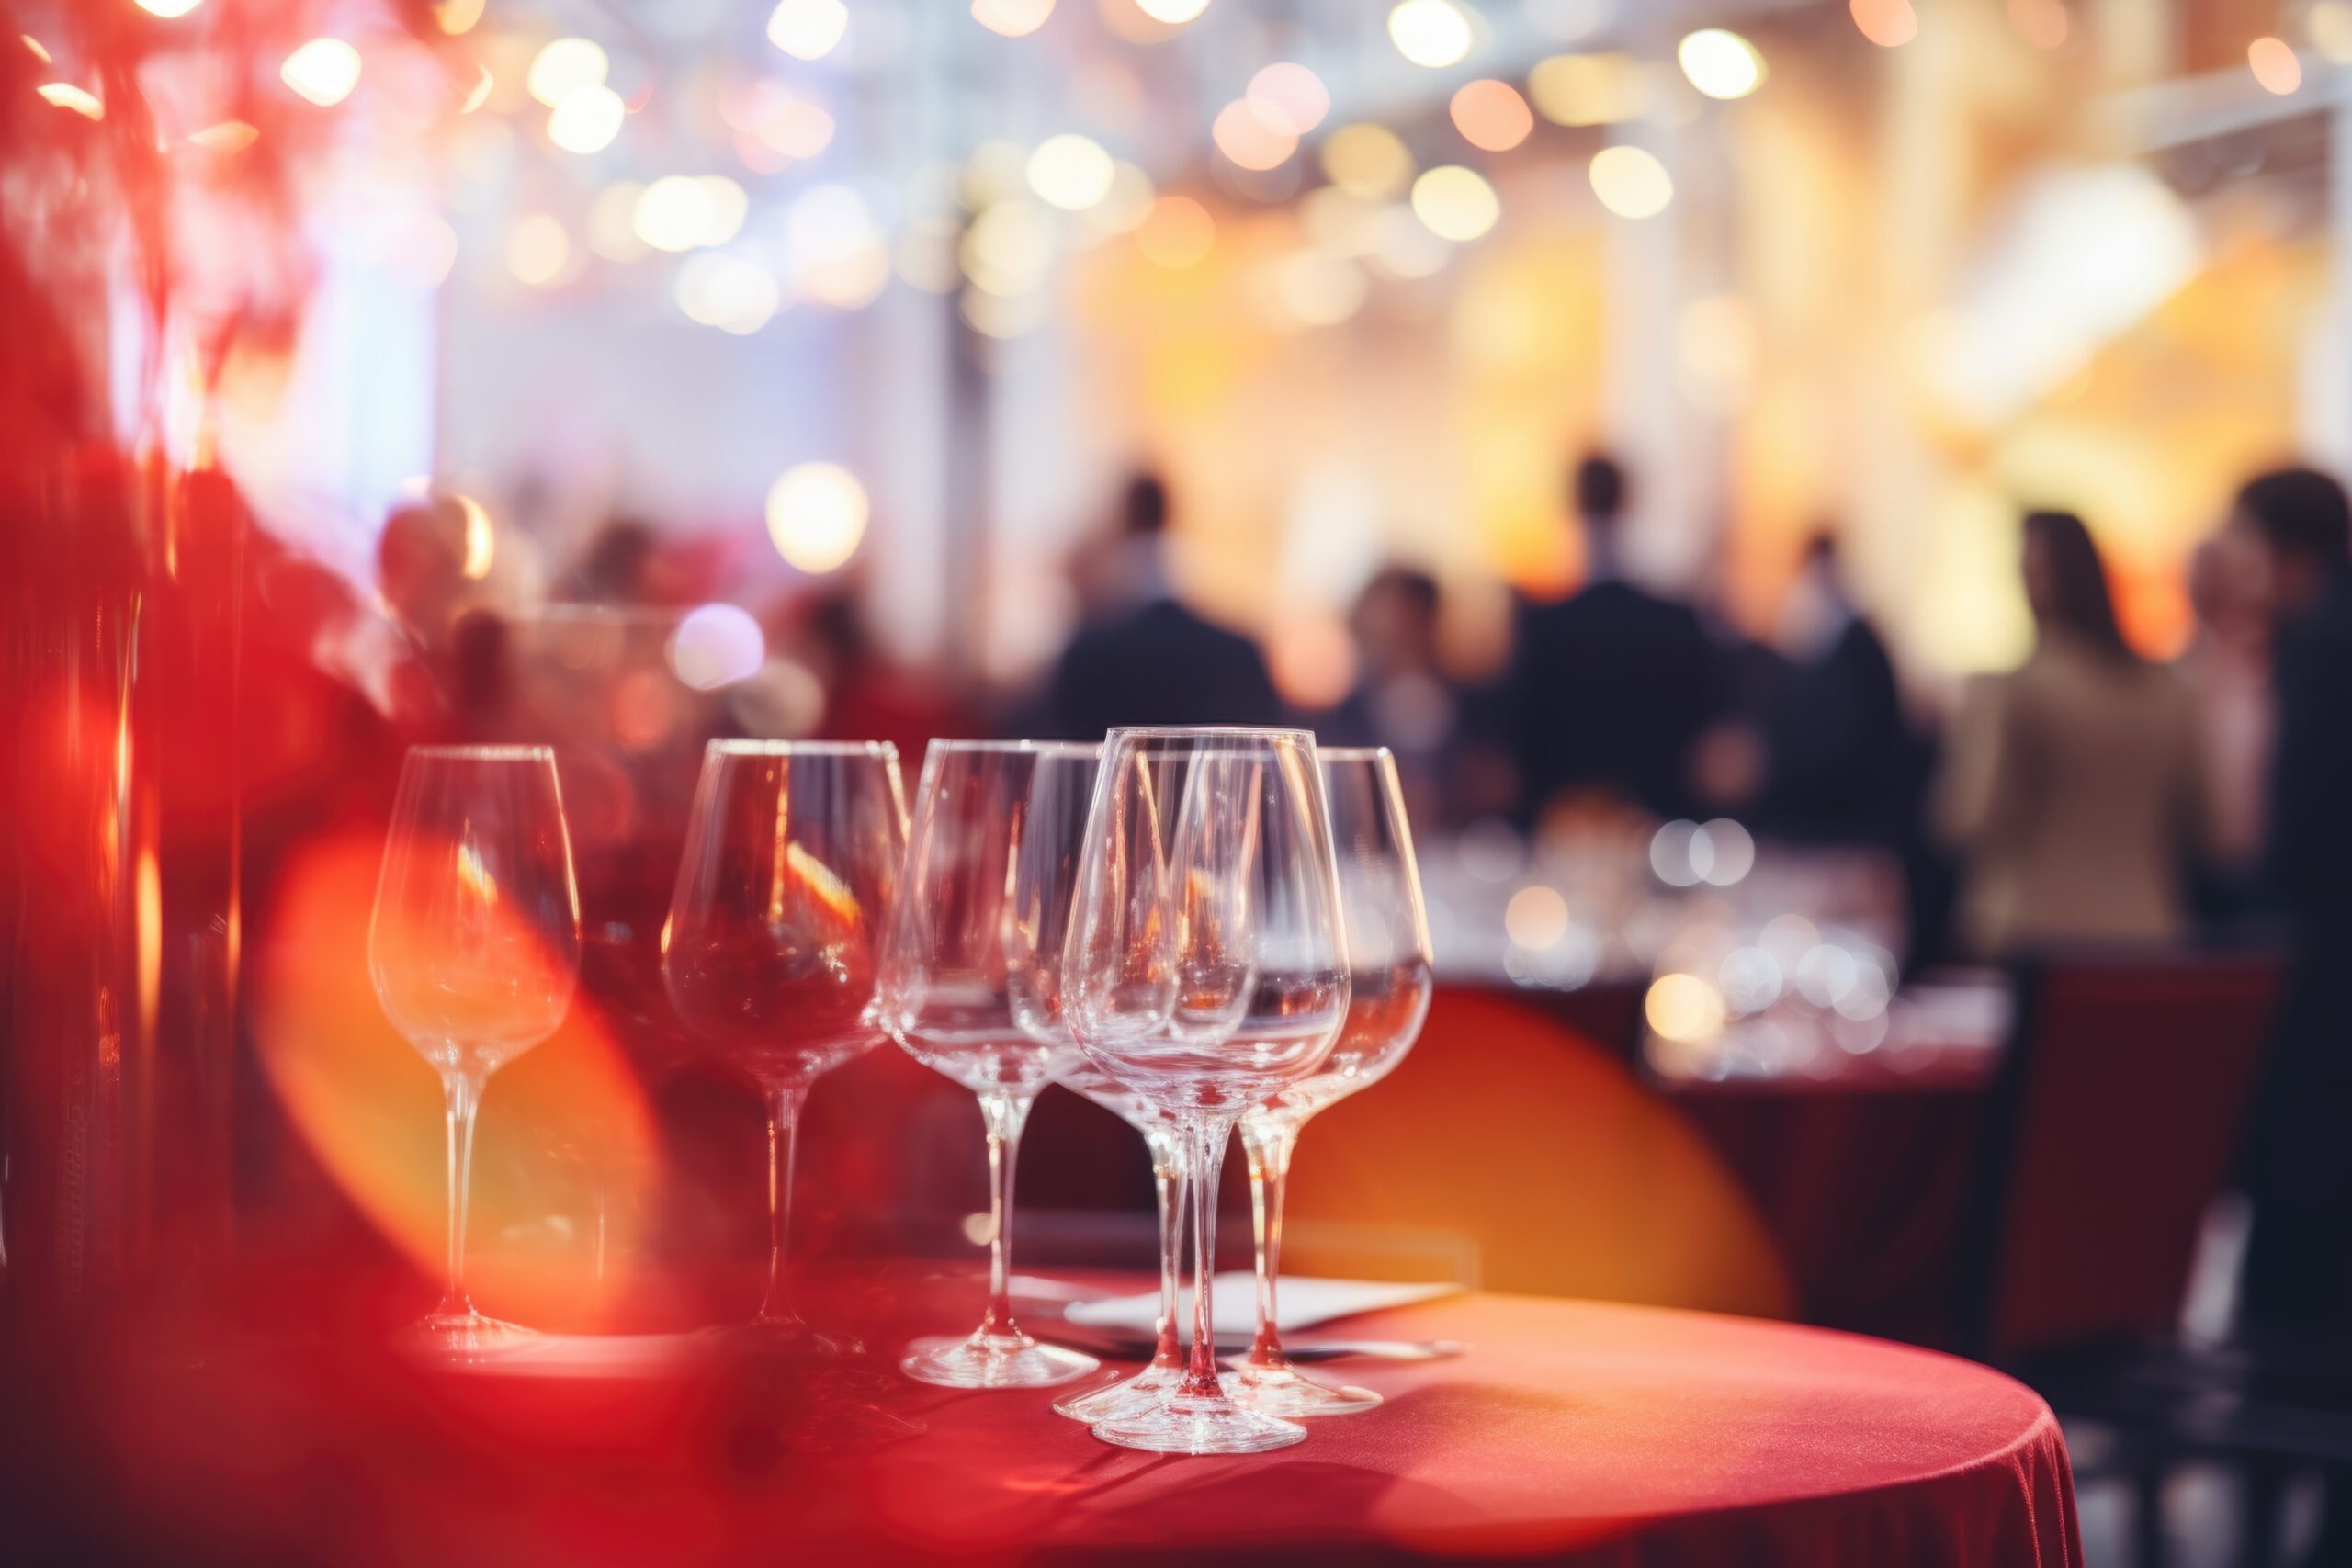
{"x":1568,"y":1432}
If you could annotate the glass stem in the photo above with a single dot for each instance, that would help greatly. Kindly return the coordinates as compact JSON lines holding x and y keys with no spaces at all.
{"x":1006,"y":1114}
{"x":784,"y":1128}
{"x":1205,"y":1139}
{"x":461,"y":1100}
{"x":1168,"y":1181}
{"x":1268,"y":1147}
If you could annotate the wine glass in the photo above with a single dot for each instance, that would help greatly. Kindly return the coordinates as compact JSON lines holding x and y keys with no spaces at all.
{"x":1149,"y":1388}
{"x":474,"y":949}
{"x":990,"y":862}
{"x":1388,"y":996}
{"x":770,"y":950}
{"x":1206,"y":970}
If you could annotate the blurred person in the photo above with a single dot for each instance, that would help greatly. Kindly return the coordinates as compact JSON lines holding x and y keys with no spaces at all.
{"x":869,"y":697}
{"x":1611,"y":688}
{"x":2073,"y":787}
{"x":1402,"y":698}
{"x":1145,"y":659}
{"x":2296,"y":532}
{"x":2227,"y":664}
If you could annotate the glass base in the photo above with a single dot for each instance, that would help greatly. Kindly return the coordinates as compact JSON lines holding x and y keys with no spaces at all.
{"x":1287,"y":1392}
{"x":993,"y":1360}
{"x":463,"y":1337}
{"x":790,"y":1336}
{"x":1200,"y":1424}
{"x":1117,"y":1396}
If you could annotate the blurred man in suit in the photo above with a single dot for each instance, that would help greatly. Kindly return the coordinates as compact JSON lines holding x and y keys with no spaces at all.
{"x":2295,"y":531}
{"x":1146,"y":658}
{"x":1611,"y":686}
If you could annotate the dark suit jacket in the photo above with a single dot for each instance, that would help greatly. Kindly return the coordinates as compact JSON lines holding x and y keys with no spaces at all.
{"x":2311,"y":772}
{"x":1160,"y":664}
{"x":1845,"y":766}
{"x":1608,"y":690}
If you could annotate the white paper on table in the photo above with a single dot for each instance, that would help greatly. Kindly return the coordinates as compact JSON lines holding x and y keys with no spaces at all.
{"x":1301,"y":1302}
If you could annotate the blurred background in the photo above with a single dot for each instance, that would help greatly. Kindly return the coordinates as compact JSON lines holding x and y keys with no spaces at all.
{"x":1787,"y":480}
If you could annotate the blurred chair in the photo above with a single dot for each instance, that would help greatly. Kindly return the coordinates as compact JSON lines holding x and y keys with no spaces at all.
{"x":1544,"y":1152}
{"x":2111,"y":1129}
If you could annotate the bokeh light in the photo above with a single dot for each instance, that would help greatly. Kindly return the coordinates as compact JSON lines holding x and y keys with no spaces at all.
{"x":2275,"y":66}
{"x":169,"y":8}
{"x":1178,"y":233}
{"x":1289,"y":96}
{"x":1126,"y":203}
{"x":808,"y":30}
{"x":1431,"y":33}
{"x":1631,"y":182}
{"x":1071,"y":172}
{"x":2328,"y":24}
{"x":1456,"y":203}
{"x":66,"y":96}
{"x":1174,"y":13}
{"x":838,"y":246}
{"x":1009,"y":248}
{"x":324,"y":71}
{"x":480,"y":538}
{"x":679,"y":212}
{"x":816,"y":515}
{"x":1535,"y":918}
{"x":1403,"y":247}
{"x":229,"y":136}
{"x":1890,"y":24}
{"x":1251,"y":141}
{"x":1587,"y":89}
{"x":565,"y":66}
{"x":538,"y":248}
{"x":1491,"y":114}
{"x":1318,"y":290}
{"x":729,"y":292}
{"x":2043,"y":24}
{"x":612,"y":222}
{"x":1721,"y":63}
{"x":1369,"y":161}
{"x":716,"y":646}
{"x":1684,"y":1008}
{"x":479,"y":93}
{"x":587,"y":119}
{"x":1011,"y":18}
{"x":455,"y":16}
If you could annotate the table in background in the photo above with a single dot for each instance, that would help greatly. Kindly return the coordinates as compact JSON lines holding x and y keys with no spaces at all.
{"x":1571,"y":1433}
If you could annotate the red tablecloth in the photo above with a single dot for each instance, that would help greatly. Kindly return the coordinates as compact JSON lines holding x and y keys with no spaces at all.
{"x":1569,"y":1433}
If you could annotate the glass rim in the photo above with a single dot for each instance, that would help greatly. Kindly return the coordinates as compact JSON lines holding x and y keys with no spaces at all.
{"x":744,"y":747}
{"x":497,"y":753}
{"x":1209,"y":732}
{"x":1352,"y":753}
{"x":1019,"y":747}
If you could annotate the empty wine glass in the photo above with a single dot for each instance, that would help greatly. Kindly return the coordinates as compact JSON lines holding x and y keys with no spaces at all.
{"x":1388,"y":996}
{"x":769,"y":950}
{"x":1206,"y":971}
{"x":991,"y":864}
{"x":474,"y":949}
{"x":1149,"y":1388}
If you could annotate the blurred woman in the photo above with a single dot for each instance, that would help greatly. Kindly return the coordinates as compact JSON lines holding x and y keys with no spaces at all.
{"x":2073,"y":787}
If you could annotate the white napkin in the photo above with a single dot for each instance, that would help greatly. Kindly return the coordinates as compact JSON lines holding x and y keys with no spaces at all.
{"x":1301,"y":1303}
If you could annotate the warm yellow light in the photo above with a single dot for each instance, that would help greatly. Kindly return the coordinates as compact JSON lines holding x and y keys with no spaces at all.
{"x":168,"y":8}
{"x":1585,"y":89}
{"x":538,"y":248}
{"x":2275,"y":66}
{"x":2329,"y":23}
{"x":1631,"y":182}
{"x":565,"y":65}
{"x":1289,"y":96}
{"x":1340,"y":224}
{"x":229,"y":136}
{"x":1318,"y":290}
{"x":479,"y":93}
{"x":1403,"y":247}
{"x":455,"y":16}
{"x":727,"y":292}
{"x":1890,"y":24}
{"x":587,"y":119}
{"x":1246,"y":138}
{"x":1011,"y":18}
{"x":1536,"y":918}
{"x":995,"y":316}
{"x":1126,"y":203}
{"x":1491,"y":114}
{"x":678,"y":212}
{"x":817,"y":515}
{"x":39,"y":51}
{"x":612,"y":222}
{"x":1009,"y":248}
{"x":1721,"y":63}
{"x":840,"y":252}
{"x":1684,"y":1008}
{"x":66,"y":96}
{"x":1456,"y":203}
{"x":808,"y":30}
{"x":1175,"y":13}
{"x":1071,"y":172}
{"x":1178,"y":233}
{"x":482,"y":540}
{"x":1433,"y":33}
{"x":1368,"y":161}
{"x":324,"y":71}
